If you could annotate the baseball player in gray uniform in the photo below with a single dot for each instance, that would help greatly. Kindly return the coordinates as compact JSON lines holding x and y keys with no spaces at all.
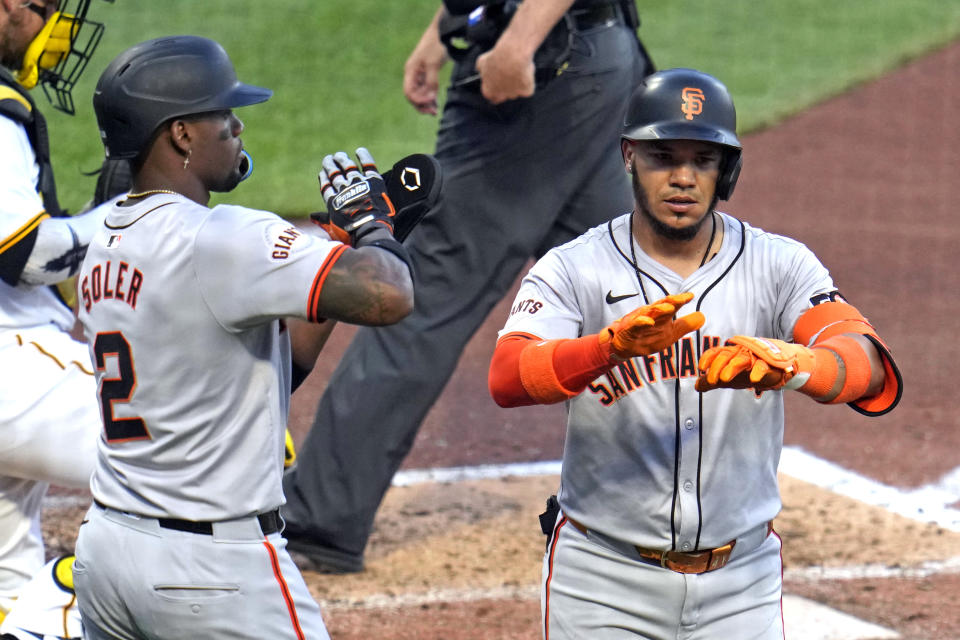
{"x":182,"y":306}
{"x":663,"y":528}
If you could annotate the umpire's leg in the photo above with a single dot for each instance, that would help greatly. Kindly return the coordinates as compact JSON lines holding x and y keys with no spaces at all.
{"x":509,"y":174}
{"x":386,"y":382}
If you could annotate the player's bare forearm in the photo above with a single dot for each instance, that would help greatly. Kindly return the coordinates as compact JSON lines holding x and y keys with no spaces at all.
{"x":507,"y":70}
{"x":368,"y":286}
{"x":421,"y":71}
{"x":307,"y":340}
{"x":532,"y":22}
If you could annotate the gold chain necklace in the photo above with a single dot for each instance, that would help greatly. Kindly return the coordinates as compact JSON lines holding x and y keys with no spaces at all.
{"x":151,"y":192}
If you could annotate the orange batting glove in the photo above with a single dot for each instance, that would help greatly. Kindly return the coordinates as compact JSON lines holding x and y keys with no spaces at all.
{"x":761,"y":364}
{"x":650,"y":329}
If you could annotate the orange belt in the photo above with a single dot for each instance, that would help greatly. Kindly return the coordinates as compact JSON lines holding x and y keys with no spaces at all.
{"x":681,"y":562}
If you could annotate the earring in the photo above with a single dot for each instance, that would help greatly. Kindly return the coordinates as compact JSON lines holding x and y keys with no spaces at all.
{"x":186,"y":160}
{"x":629,"y":168}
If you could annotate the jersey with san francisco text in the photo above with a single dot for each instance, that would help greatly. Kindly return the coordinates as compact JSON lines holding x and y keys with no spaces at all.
{"x":180,"y":305}
{"x":647,"y":459}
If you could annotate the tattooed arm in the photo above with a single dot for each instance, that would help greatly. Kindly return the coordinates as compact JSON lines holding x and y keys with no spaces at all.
{"x":369,"y":285}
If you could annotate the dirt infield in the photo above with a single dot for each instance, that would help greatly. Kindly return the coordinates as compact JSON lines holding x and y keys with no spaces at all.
{"x":462,"y":561}
{"x":867,"y":181}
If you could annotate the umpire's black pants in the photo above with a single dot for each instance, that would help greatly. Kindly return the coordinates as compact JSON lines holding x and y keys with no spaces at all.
{"x":518,"y":179}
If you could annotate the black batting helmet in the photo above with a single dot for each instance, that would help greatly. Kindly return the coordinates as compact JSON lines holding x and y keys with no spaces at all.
{"x":685,"y":104}
{"x":160,"y":79}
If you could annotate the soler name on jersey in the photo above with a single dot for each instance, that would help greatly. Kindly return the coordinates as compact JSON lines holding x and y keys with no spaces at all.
{"x":111,"y":281}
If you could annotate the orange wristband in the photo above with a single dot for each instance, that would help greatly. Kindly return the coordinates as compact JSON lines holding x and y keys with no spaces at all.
{"x":856,"y":363}
{"x":538,"y":375}
{"x":555,"y":370}
{"x":824,"y":375}
{"x":838,"y":362}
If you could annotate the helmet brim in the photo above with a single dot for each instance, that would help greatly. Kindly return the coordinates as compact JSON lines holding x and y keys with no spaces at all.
{"x":243,"y":95}
{"x":683,"y":131}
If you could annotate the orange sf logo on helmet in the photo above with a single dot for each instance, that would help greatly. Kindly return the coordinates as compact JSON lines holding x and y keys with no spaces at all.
{"x":692,"y":102}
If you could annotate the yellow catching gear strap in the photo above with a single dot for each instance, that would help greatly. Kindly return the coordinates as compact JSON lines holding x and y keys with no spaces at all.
{"x":7,"y":93}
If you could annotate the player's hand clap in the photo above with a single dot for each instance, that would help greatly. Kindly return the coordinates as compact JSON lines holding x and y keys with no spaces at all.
{"x":650,"y":328}
{"x":761,"y":364}
{"x":356,"y":197}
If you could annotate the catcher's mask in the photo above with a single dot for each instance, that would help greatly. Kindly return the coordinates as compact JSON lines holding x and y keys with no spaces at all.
{"x":60,"y":52}
{"x":685,"y":104}
{"x":154,"y":81}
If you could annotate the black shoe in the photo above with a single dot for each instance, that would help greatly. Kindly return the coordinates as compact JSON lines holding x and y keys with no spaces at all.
{"x":309,"y":555}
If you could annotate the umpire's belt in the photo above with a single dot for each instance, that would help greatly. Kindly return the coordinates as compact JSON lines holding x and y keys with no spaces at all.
{"x":688,"y":562}
{"x":270,"y":522}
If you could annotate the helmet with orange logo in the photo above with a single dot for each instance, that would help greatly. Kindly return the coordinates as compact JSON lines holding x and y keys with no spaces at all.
{"x":686,"y":104}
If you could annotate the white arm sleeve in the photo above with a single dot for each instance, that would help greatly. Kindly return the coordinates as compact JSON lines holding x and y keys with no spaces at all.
{"x":60,"y":247}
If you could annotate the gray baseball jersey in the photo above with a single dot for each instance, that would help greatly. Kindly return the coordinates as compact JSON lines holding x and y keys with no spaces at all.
{"x":647,"y":459}
{"x":179,"y":305}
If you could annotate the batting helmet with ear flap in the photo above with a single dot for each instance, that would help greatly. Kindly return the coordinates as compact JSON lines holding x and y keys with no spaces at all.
{"x":685,"y":104}
{"x":154,"y":81}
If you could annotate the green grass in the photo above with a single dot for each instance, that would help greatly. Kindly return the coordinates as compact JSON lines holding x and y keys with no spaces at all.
{"x":336,"y":70}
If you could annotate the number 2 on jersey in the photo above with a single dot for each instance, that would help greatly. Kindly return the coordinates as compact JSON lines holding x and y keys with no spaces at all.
{"x":118,"y":389}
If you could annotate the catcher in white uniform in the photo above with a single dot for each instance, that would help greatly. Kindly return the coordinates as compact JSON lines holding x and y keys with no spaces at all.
{"x":49,"y":420}
{"x":181,"y":305}
{"x":663,"y":527}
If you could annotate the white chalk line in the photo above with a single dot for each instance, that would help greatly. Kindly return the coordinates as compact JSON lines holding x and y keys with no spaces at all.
{"x":434,"y":596}
{"x":480,"y":472}
{"x":927,"y":504}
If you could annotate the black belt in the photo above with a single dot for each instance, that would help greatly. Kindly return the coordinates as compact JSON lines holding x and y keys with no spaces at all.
{"x":269,"y":522}
{"x":591,"y":17}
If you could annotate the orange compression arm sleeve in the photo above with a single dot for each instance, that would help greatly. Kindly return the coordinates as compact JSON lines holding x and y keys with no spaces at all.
{"x":823,"y":326}
{"x":526,"y":370}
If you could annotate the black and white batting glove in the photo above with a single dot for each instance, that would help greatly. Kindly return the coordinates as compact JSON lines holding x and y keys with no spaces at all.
{"x":356,"y":197}
{"x":413,"y":184}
